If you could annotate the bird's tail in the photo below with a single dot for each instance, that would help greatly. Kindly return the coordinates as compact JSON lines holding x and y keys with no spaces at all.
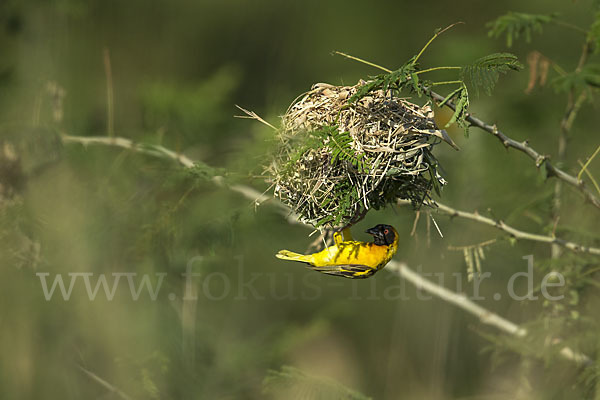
{"x":291,"y":256}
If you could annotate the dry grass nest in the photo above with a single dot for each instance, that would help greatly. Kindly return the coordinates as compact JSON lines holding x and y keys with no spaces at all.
{"x":339,"y":158}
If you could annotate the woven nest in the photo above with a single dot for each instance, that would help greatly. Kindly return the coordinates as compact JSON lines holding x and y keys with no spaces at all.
{"x":337,"y":159}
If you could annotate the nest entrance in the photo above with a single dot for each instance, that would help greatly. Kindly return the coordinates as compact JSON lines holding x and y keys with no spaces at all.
{"x":338,"y":159}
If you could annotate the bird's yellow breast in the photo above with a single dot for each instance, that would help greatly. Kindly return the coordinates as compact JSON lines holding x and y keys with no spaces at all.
{"x":353,"y":252}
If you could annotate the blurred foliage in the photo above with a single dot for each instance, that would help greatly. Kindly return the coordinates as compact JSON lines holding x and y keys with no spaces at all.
{"x":516,"y":25}
{"x":291,"y":383}
{"x":184,"y":112}
{"x":178,"y":68}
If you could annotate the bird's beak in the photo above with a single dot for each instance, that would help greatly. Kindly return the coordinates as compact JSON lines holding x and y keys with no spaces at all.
{"x":372,"y":231}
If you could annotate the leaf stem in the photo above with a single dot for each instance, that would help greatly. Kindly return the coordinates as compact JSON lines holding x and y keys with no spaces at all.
{"x":570,"y":26}
{"x":433,"y":38}
{"x":446,"y":83}
{"x":435,"y":69}
{"x":362,"y":61}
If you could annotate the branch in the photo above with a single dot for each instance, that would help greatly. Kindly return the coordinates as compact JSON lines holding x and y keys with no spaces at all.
{"x":485,"y":316}
{"x":400,"y":269}
{"x":159,"y":151}
{"x":151,"y":149}
{"x":525,"y":148}
{"x":516,"y":233}
{"x":458,"y":299}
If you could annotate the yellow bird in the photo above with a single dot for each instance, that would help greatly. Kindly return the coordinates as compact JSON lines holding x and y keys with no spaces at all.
{"x":350,"y":258}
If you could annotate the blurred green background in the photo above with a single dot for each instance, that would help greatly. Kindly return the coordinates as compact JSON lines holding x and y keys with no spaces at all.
{"x":178,"y":68}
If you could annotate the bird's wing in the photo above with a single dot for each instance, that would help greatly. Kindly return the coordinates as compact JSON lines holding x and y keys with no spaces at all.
{"x":352,"y":271}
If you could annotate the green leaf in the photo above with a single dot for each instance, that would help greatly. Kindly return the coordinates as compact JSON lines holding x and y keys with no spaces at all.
{"x":324,"y":221}
{"x":365,"y":89}
{"x":460,"y":107}
{"x":484,"y":72}
{"x":516,"y":25}
{"x":414,"y":79}
{"x":450,"y":97}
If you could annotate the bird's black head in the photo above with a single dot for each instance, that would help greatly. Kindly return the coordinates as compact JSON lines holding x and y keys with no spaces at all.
{"x":383,"y":234}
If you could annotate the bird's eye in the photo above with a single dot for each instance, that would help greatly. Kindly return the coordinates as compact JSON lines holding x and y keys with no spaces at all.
{"x":386,"y":231}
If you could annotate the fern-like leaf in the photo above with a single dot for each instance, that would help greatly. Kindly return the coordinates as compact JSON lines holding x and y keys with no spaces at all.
{"x":484,"y":72}
{"x":461,"y":105}
{"x":516,"y":25}
{"x":340,"y":145}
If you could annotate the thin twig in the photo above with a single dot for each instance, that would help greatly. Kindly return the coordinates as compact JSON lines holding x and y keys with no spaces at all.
{"x":415,"y":222}
{"x":360,"y":60}
{"x":436,"y":225}
{"x":516,"y":233}
{"x":151,"y":149}
{"x":589,"y":174}
{"x":435,"y":35}
{"x":570,"y":26}
{"x":105,"y":384}
{"x":435,"y":69}
{"x":589,"y":160}
{"x":159,"y":151}
{"x":252,"y":115}
{"x":472,"y":246}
